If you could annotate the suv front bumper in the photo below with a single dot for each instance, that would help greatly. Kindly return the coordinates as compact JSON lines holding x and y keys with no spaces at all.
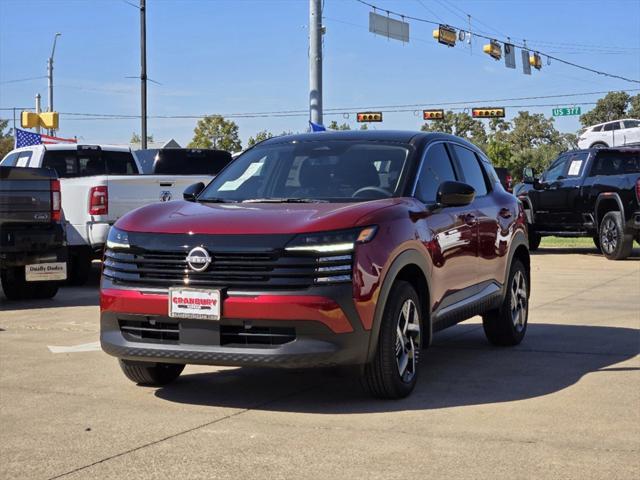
{"x":322,"y":329}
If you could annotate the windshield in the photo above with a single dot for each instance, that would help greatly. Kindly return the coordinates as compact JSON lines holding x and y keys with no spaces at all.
{"x":336,"y":171}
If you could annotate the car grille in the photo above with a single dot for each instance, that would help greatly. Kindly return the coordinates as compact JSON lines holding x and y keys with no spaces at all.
{"x":231,"y":335}
{"x":150,"y":331}
{"x":237,"y":271}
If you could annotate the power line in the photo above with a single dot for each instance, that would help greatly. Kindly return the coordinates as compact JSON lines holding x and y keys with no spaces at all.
{"x":17,"y":80}
{"x":557,"y":59}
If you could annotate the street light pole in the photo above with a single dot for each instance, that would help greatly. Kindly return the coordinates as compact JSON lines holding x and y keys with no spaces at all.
{"x":50,"y":75}
{"x":143,"y":73}
{"x":315,"y":61}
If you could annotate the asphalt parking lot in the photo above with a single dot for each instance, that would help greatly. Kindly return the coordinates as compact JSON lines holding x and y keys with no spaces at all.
{"x":564,"y":404}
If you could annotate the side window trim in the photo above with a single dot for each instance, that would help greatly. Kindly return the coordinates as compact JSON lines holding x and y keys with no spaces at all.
{"x":454,"y":164}
{"x":458,"y":166}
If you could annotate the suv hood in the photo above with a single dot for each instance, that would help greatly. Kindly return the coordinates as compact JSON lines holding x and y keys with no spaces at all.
{"x":251,"y":218}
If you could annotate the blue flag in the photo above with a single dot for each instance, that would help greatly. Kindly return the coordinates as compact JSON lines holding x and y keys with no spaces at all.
{"x":25,"y":139}
{"x":315,"y":127}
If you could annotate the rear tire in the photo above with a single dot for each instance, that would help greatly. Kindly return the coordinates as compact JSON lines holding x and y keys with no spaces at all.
{"x":599,"y":145}
{"x":507,"y":325}
{"x":615,"y":244}
{"x":151,"y":374}
{"x":393,"y":372}
{"x":534,"y":240}
{"x":13,"y":283}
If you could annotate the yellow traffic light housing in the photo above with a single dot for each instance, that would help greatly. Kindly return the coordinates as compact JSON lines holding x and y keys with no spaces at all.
{"x":369,"y":117}
{"x":29,"y":120}
{"x":487,"y":112}
{"x":445,"y":35}
{"x":433,"y":114}
{"x":493,"y":49}
{"x":49,"y":120}
{"x":535,"y":61}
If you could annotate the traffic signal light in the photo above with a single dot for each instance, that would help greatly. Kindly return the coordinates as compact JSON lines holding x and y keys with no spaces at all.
{"x":48,"y":120}
{"x":535,"y":61}
{"x":29,"y":120}
{"x":487,"y":112}
{"x":433,"y":114}
{"x":369,"y":117}
{"x":445,"y":35}
{"x":493,"y":49}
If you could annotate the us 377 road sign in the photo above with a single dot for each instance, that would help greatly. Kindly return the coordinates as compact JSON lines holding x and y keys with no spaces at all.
{"x":565,"y":111}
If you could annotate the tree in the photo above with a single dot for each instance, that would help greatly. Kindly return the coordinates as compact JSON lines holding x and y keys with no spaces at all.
{"x":135,"y":138}
{"x":260,"y":136}
{"x":460,"y":124}
{"x":634,"y":107}
{"x":499,"y":152}
{"x":334,"y":126}
{"x":364,"y":126}
{"x":6,"y":139}
{"x":213,"y":131}
{"x":613,"y":106}
{"x":532,"y":130}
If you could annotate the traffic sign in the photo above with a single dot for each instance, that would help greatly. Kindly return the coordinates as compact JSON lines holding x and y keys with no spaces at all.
{"x":565,"y":111}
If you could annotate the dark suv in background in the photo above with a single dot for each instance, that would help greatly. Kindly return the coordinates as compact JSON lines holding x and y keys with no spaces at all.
{"x":324,"y":249}
{"x":587,"y":193}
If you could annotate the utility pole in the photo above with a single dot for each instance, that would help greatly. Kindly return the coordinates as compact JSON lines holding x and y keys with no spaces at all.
{"x":38,"y":111}
{"x":315,"y":61}
{"x":50,"y":76}
{"x":143,"y":73}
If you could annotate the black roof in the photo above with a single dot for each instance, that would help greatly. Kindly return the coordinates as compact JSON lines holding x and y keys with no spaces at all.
{"x":365,"y":135}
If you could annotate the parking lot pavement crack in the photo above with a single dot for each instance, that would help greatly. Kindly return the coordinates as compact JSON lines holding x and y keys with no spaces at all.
{"x":185,"y":432}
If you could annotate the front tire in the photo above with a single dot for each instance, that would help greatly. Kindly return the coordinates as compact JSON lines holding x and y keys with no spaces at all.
{"x":614,"y":243}
{"x":151,"y":374}
{"x":393,"y":372}
{"x":507,"y":325}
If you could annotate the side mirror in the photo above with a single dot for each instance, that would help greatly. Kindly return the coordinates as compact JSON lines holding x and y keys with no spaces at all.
{"x":527,"y":175}
{"x":192,"y":191}
{"x":455,"y":194}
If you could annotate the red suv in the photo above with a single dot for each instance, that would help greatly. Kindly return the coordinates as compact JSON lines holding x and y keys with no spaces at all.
{"x":324,"y":249}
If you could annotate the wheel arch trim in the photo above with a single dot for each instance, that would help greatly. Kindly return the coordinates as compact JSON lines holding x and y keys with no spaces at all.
{"x":607,"y":196}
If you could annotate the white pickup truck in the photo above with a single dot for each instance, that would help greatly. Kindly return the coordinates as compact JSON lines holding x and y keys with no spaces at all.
{"x":99,"y":184}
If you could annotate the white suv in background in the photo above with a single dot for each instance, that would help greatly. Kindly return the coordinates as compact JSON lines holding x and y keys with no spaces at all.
{"x":611,"y":134}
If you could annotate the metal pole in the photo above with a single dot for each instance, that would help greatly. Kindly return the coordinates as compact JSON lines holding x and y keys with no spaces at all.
{"x":50,"y":76}
{"x":315,"y":61}
{"x":38,"y":111}
{"x":143,"y":73}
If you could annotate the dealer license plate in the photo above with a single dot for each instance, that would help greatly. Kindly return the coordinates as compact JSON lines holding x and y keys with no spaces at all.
{"x":45,"y":272}
{"x":194,"y":303}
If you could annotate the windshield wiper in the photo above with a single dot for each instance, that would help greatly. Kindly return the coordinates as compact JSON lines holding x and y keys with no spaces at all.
{"x":284,"y":200}
{"x":216,"y":200}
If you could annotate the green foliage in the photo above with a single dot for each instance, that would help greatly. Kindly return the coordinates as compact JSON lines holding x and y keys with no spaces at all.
{"x":460,"y":124}
{"x":213,"y":131}
{"x":135,"y":138}
{"x":6,"y":138}
{"x":364,"y":126}
{"x":260,"y":136}
{"x":613,"y":106}
{"x":538,"y":158}
{"x":499,"y":153}
{"x":532,"y":130}
{"x":334,"y":126}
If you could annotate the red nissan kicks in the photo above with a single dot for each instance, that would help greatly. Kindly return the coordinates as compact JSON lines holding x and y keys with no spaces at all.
{"x":323,"y":249}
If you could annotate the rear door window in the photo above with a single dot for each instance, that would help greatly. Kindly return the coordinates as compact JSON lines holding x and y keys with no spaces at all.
{"x":471,"y":169}
{"x":90,"y":162}
{"x":436,"y":168}
{"x":576,"y":164}
{"x":615,"y":163}
{"x":611,"y":126}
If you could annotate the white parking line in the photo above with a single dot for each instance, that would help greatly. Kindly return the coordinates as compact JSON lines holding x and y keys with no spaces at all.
{"x":83,"y":347}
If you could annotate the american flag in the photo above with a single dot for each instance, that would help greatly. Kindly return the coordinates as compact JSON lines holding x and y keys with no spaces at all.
{"x":24,"y":139}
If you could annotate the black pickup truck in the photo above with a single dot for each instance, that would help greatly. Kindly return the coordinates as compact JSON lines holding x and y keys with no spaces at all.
{"x":32,"y":242}
{"x":587,"y":193}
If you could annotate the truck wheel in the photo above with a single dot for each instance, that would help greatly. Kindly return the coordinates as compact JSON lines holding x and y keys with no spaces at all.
{"x":596,"y":242}
{"x":14,"y":285}
{"x":614,"y":243}
{"x":394,"y":369}
{"x":79,"y":266}
{"x":151,"y":374}
{"x":534,"y":240}
{"x":45,"y":290}
{"x":507,"y":325}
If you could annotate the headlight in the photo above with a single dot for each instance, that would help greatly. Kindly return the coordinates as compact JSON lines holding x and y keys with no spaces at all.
{"x":117,"y":238}
{"x":329,"y":242}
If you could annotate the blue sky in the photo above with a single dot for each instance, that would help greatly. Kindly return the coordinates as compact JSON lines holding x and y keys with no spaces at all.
{"x":232,"y":56}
